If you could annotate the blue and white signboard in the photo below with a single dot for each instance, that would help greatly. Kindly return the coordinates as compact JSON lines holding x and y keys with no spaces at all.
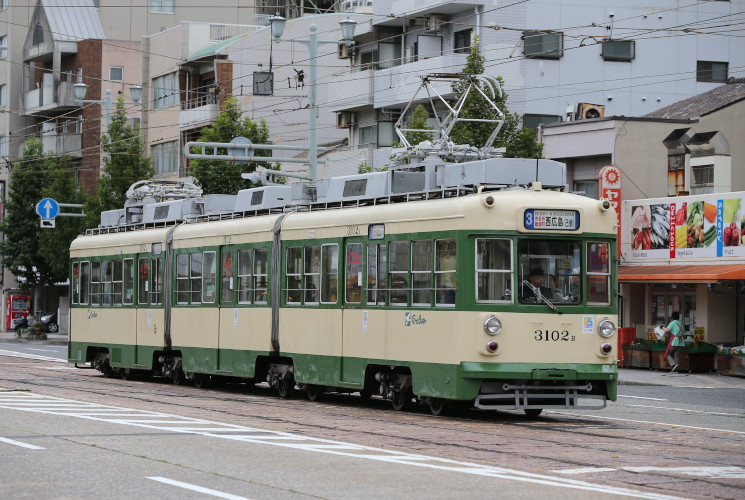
{"x":47,"y":208}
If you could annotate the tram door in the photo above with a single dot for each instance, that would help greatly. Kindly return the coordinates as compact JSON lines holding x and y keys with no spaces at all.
{"x":354,"y":316}
{"x":150,"y":314}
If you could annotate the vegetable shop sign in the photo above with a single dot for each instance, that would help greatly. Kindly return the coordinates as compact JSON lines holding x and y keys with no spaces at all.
{"x":681,"y":227}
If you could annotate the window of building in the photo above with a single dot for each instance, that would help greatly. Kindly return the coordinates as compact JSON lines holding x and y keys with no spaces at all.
{"x":4,"y":4}
{"x":38,"y":37}
{"x":703,"y":175}
{"x":165,"y":91}
{"x":4,"y":41}
{"x":116,"y":74}
{"x":162,"y":6}
{"x":165,"y":157}
{"x":494,"y":270}
{"x":619,"y":50}
{"x":368,"y":137}
{"x":543,"y":45}
{"x":709,"y":71}
{"x":588,"y":187}
{"x":532,"y":121}
{"x":3,"y":145}
{"x":462,"y":41}
{"x":3,"y":96}
{"x":97,"y":3}
{"x":369,"y":60}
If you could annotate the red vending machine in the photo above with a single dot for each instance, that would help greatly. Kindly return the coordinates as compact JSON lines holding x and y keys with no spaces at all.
{"x":17,"y":306}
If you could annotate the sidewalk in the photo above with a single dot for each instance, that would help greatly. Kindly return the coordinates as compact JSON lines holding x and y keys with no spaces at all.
{"x":626,"y":376}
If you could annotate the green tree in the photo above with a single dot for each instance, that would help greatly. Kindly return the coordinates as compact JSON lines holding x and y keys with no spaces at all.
{"x":54,"y":243}
{"x":124,"y":162}
{"x":418,"y":120}
{"x":21,"y":252}
{"x":224,"y":177}
{"x":517,"y":141}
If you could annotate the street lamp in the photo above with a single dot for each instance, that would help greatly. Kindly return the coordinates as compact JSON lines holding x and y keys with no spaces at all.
{"x":81,"y":88}
{"x":277,"y":23}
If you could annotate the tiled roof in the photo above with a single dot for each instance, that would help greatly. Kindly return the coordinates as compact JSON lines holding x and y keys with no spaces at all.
{"x":703,"y":104}
{"x":72,"y":20}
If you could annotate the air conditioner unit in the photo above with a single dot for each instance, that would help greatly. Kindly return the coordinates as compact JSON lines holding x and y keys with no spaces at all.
{"x":345,"y":51}
{"x":345,"y":119}
{"x":586,"y":111}
{"x":433,"y":23}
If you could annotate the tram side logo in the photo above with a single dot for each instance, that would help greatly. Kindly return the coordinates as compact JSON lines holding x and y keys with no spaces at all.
{"x":414,"y":319}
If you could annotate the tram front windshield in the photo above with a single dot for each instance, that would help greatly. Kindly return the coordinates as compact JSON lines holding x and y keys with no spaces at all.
{"x":549,"y":270}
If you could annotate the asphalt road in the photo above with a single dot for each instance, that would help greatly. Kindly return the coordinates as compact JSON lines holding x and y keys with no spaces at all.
{"x":68,"y":433}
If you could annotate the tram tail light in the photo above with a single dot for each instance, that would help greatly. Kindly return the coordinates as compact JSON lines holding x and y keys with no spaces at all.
{"x":492,"y":346}
{"x":606,"y":348}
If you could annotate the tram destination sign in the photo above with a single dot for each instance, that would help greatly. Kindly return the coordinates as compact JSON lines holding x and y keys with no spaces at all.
{"x":553,"y":220}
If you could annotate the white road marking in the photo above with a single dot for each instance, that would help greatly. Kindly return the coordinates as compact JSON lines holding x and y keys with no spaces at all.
{"x":709,"y":472}
{"x":640,"y":397}
{"x":37,"y":357}
{"x":42,"y":350}
{"x":690,"y":411}
{"x":316,"y":445}
{"x":666,"y":424}
{"x":196,"y":488}
{"x":584,"y":470}
{"x":22,"y":445}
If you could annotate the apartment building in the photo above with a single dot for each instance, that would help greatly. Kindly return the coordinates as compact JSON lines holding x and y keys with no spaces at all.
{"x":560,"y":60}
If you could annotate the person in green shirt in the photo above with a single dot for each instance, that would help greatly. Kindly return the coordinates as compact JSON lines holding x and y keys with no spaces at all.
{"x":674,"y":328}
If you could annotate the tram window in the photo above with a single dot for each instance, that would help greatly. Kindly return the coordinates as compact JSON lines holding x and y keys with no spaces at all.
{"x":84,"y":282}
{"x":95,"y":283}
{"x":156,"y":285}
{"x":598,"y":272}
{"x":244,"y":276}
{"x":182,"y":278}
{"x":261,"y":273}
{"x":421,"y":272}
{"x":226,"y":292}
{"x":445,"y":262}
{"x":116,"y":280}
{"x":493,"y":270}
{"x":330,"y":277}
{"x":209,"y":278}
{"x":143,"y":281}
{"x":377,"y":273}
{"x":128,"y":282}
{"x":294,"y":274}
{"x":107,"y":267}
{"x":558,"y":262}
{"x":399,"y":271}
{"x":354,"y":273}
{"x":196,"y":260}
{"x":312,"y":274}
{"x":76,"y":283}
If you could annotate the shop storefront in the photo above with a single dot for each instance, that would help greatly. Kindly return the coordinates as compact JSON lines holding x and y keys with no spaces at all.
{"x":685,"y":254}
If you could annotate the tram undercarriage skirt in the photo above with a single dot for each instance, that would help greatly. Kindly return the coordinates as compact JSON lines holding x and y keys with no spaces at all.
{"x":519,"y":397}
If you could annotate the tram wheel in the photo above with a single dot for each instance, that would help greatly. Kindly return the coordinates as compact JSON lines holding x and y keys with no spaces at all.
{"x":314,"y":392}
{"x":533,"y":412}
{"x":177,"y":377}
{"x":285,"y":385}
{"x":437,"y":406}
{"x":200,"y":380}
{"x":402,"y":399}
{"x":125,"y":373}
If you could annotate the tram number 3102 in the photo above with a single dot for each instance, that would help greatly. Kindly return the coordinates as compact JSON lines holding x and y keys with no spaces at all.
{"x":553,"y":336}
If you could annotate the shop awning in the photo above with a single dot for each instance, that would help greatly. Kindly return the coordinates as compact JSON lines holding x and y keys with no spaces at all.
{"x":681,"y":274}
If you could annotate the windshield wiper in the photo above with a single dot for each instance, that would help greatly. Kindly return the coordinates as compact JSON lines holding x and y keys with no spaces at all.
{"x":538,"y":294}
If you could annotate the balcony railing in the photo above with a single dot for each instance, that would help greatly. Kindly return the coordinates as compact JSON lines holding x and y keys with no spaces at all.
{"x":199,"y":111}
{"x":50,"y":97}
{"x":199,"y":101}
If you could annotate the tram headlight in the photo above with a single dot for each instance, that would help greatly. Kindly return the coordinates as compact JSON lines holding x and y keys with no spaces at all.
{"x":492,"y":325}
{"x":606,"y":328}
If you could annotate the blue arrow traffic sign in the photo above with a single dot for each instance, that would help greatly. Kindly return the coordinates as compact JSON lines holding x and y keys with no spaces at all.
{"x":47,"y":208}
